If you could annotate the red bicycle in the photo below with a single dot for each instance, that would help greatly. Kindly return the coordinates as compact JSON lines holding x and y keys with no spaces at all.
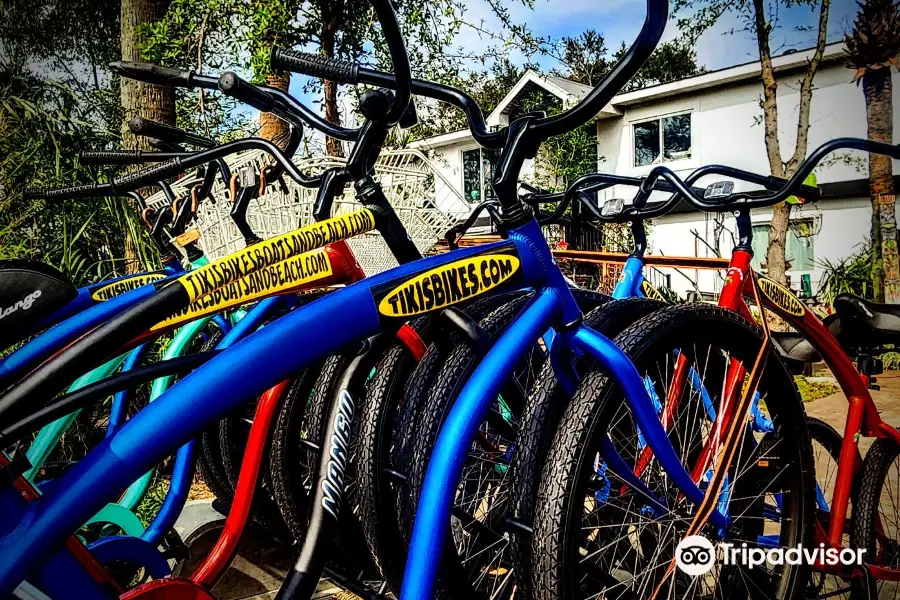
{"x":587,"y":524}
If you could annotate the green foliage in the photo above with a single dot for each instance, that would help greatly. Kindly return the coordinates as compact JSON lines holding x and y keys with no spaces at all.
{"x":153,"y":500}
{"x":891,"y":360}
{"x":851,"y":275}
{"x":813,"y":390}
{"x":43,"y":124}
{"x":874,"y":42}
{"x":671,"y":61}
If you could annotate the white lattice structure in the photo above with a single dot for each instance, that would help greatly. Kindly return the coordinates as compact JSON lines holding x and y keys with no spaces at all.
{"x":406,"y":176}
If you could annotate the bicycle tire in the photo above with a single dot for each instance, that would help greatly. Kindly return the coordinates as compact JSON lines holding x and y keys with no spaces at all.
{"x":288,"y":488}
{"x":555,"y":562}
{"x":378,"y":411}
{"x":880,"y":456}
{"x":540,"y":419}
{"x":830,"y":440}
{"x":419,"y":384}
{"x":454,"y":580}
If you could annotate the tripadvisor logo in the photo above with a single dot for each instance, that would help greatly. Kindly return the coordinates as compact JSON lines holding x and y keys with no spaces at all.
{"x":695,"y":555}
{"x":449,"y":284}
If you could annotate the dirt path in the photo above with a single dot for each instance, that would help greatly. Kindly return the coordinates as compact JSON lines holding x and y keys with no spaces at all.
{"x":833,"y":409}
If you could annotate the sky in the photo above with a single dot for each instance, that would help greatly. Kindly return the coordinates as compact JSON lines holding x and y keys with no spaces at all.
{"x":620,"y":20}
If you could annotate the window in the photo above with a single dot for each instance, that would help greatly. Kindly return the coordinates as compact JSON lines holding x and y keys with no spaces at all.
{"x":478,"y":165}
{"x":662,"y":140}
{"x":800,"y":251}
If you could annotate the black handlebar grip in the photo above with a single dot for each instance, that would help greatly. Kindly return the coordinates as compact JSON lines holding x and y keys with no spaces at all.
{"x":147,"y":176}
{"x":69,"y":193}
{"x":314,"y":65}
{"x":110,"y":157}
{"x":246,"y":92}
{"x":147,"y":128}
{"x":151,"y":73}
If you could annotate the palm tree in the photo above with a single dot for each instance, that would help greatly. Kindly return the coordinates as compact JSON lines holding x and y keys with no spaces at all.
{"x":872,"y":47}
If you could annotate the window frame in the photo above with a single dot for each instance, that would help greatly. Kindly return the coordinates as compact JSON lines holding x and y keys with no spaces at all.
{"x":484,"y":183}
{"x":662,"y":148}
{"x":768,"y":225}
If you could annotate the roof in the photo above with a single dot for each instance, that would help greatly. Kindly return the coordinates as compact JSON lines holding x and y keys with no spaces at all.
{"x":571,"y":92}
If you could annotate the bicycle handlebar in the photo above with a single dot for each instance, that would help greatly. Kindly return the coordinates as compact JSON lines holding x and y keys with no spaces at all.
{"x":323,"y":67}
{"x":316,"y":65}
{"x":252,"y":95}
{"x":172,"y":167}
{"x":160,"y":75}
{"x":125,"y":157}
{"x":663,"y":179}
{"x":749,"y":200}
{"x":167,"y":133}
{"x":578,"y":115}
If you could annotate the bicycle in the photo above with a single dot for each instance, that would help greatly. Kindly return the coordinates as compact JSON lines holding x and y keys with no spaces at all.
{"x":651,"y":341}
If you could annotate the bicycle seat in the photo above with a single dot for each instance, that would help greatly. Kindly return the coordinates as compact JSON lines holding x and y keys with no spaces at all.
{"x":794,"y":350}
{"x":29,"y":292}
{"x":865,"y":325}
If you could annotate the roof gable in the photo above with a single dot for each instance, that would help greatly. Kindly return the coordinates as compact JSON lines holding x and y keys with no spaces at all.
{"x":570,"y":92}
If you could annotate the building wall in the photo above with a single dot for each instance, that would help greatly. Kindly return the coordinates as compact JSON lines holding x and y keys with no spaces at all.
{"x":844,"y":227}
{"x":725,"y":130}
{"x":447,"y":159}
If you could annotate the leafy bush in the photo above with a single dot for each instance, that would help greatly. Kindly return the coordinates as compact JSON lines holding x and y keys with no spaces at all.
{"x":851,"y":275}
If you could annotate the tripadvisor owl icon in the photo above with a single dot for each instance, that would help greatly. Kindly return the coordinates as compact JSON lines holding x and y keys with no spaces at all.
{"x":695,"y":555}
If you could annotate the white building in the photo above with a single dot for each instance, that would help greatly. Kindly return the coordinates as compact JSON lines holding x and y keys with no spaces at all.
{"x":713,"y":118}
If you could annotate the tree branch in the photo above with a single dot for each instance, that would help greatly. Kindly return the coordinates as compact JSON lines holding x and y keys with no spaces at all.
{"x":770,"y":90}
{"x":806,"y":90}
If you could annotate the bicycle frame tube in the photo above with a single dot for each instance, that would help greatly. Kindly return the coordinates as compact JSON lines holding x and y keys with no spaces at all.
{"x":88,"y":296}
{"x":629,"y":284}
{"x":272,"y":354}
{"x":447,"y":459}
{"x":118,"y":412}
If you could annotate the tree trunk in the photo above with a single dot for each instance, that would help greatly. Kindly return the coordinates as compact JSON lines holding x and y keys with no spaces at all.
{"x":776,"y":260}
{"x":332,"y":20}
{"x":879,"y":115}
{"x":149,"y":101}
{"x":781,"y":214}
{"x":271,"y":127}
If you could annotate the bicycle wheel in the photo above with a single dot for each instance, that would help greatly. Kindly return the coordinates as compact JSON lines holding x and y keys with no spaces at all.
{"x":209,"y":458}
{"x":287,"y":454}
{"x":826,"y":448}
{"x":540,"y":419}
{"x":877,"y":516}
{"x":596,"y":536}
{"x":476,"y":557}
{"x":411,"y":403}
